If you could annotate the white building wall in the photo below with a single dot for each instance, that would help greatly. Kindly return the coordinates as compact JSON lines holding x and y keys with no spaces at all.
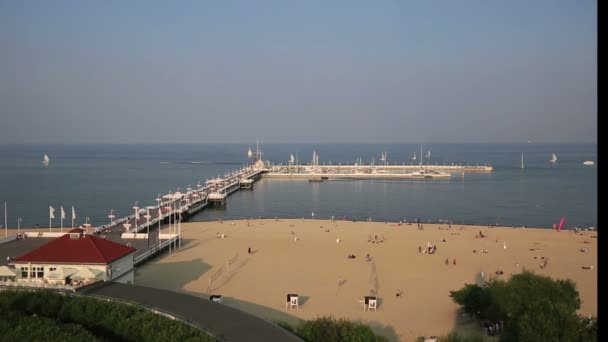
{"x":121,"y":266}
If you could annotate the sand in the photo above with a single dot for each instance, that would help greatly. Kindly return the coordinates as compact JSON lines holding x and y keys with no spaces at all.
{"x":301,"y":256}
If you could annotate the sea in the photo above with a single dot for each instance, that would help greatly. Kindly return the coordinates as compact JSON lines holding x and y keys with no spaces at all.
{"x":96,"y":179}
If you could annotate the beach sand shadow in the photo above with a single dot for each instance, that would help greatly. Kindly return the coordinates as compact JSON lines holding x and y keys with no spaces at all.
{"x":302,"y":300}
{"x":171,"y":275}
{"x":188,"y":244}
{"x":230,"y":274}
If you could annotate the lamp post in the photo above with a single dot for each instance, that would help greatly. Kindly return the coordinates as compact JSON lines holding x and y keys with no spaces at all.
{"x":148,"y":221}
{"x":19,"y":225}
{"x":111,"y":216}
{"x":136,"y":208}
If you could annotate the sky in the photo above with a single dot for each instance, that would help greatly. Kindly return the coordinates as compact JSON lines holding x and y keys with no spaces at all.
{"x":467,"y":71}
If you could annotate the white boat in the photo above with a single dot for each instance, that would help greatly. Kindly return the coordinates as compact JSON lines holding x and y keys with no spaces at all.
{"x":522,"y":160}
{"x":553,"y":158}
{"x":46,"y":160}
{"x":414,"y":157}
{"x":428,"y":154}
{"x":428,"y":174}
{"x":589,"y":162}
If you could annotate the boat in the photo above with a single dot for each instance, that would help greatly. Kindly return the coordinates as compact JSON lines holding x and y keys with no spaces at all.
{"x":553,"y":158}
{"x":428,"y":154}
{"x":427,"y":174}
{"x":588,"y":162}
{"x":522,"y":160}
{"x":46,"y":160}
{"x":414,"y":157}
{"x":315,"y":179}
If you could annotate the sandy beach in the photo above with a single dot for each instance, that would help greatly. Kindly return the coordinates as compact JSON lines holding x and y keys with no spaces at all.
{"x":310,"y":258}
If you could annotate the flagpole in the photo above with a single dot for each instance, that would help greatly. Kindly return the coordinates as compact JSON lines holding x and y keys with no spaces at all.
{"x":62,"y":215}
{"x":5,"y":221}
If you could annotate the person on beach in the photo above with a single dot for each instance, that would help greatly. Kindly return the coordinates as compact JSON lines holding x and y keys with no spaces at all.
{"x":447,"y":261}
{"x":454,"y":262}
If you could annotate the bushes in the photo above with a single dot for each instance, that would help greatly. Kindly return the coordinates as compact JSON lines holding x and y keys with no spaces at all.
{"x":533,"y":308}
{"x":95,"y":317}
{"x":329,"y":329}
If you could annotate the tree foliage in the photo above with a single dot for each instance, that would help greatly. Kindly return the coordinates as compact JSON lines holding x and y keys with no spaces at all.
{"x":533,"y":308}
{"x":45,"y":316}
{"x":330,"y":329}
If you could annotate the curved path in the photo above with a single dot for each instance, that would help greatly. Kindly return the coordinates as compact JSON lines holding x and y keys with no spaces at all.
{"x":227,"y":323}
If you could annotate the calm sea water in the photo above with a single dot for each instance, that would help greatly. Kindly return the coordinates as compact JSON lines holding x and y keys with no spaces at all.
{"x":97,"y":178}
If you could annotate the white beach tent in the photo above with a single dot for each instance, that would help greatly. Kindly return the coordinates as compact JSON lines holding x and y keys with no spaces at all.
{"x":86,"y":274}
{"x":61,"y":273}
{"x":6,"y":272}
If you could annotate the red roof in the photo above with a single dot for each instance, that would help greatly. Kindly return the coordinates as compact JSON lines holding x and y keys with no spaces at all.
{"x":86,"y":249}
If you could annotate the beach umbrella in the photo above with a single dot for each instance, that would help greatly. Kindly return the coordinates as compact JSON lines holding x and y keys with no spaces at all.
{"x":5,"y":271}
{"x":86,"y":273}
{"x":61,"y":272}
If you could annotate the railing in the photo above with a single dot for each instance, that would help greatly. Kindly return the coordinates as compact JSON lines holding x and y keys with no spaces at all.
{"x":228,"y":188}
{"x":19,"y":284}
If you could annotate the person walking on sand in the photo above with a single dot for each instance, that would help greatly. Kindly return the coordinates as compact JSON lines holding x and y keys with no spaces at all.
{"x":447,"y":261}
{"x":454,"y":262}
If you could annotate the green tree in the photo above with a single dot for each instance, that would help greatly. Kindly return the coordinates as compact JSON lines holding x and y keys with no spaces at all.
{"x":533,"y":308}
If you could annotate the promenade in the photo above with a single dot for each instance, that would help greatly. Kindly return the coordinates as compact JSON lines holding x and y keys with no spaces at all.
{"x":227,"y":323}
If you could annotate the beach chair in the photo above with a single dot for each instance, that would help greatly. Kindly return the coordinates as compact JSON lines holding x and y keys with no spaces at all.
{"x":373,"y":304}
{"x":216,"y":298}
{"x":293,"y":301}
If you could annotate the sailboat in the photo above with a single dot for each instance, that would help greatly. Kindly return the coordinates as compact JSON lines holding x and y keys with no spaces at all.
{"x":414,"y":157}
{"x":249,"y":153}
{"x":46,"y":160}
{"x":383,"y":158}
{"x":553,"y":158}
{"x":428,"y":154}
{"x":291,"y":159}
{"x":522,"y":160}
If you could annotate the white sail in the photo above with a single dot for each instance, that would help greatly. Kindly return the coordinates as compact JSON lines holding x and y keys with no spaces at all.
{"x":46,"y":160}
{"x":249,"y":153}
{"x":291,"y":158}
{"x":414,"y":157}
{"x":553,"y":158}
{"x":522,"y":160}
{"x":428,"y":154}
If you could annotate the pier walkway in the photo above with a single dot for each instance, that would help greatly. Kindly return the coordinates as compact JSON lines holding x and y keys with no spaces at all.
{"x":227,"y":323}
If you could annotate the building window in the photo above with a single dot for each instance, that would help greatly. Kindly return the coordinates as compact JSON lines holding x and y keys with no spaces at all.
{"x":23,"y":272}
{"x":39,"y":272}
{"x":51,"y":269}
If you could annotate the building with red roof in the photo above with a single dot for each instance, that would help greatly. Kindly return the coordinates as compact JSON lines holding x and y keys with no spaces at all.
{"x":76,"y":257}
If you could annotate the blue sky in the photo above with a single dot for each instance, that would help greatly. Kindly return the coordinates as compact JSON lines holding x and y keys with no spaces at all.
{"x":298,"y":71}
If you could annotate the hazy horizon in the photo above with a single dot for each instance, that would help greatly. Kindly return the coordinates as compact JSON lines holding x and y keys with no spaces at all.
{"x":344,"y":72}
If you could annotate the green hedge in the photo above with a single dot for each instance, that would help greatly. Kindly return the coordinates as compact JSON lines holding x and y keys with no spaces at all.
{"x":329,"y":329}
{"x":87,"y":318}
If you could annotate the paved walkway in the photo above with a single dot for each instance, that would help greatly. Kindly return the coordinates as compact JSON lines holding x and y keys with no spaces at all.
{"x":228,"y":323}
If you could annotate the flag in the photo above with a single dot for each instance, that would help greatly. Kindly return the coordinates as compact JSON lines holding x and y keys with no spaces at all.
{"x":73,"y":213}
{"x":51,"y":212}
{"x":62,"y":213}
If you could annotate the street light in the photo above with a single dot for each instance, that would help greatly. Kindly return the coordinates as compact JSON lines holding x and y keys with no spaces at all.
{"x":136,"y":208}
{"x":111,"y":216}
